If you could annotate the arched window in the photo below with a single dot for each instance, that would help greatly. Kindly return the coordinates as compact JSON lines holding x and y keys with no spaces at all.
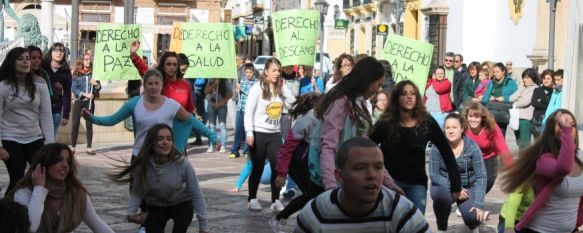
{"x":32,"y":6}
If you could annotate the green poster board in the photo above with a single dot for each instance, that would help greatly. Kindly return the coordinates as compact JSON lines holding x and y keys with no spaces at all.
{"x":210,"y":48}
{"x":112,"y":52}
{"x":296,"y":34}
{"x":410,"y":59}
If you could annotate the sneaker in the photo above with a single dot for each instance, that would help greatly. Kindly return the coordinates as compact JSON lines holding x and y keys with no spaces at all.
{"x":222,"y":150}
{"x":90,"y":151}
{"x":278,"y":226}
{"x":210,"y":150}
{"x":142,"y":230}
{"x":458,"y":213}
{"x":233,"y":156}
{"x":254,"y":205}
{"x":277,"y":206}
{"x":486,"y":215}
{"x":289,"y":194}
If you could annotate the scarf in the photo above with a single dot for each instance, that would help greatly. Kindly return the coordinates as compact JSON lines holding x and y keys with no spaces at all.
{"x":64,"y":207}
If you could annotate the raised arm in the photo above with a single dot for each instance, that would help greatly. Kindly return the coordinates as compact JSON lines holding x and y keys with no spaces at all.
{"x":551,"y":167}
{"x":137,"y":60}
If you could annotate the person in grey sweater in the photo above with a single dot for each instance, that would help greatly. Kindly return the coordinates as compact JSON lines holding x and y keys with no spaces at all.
{"x":25,"y":114}
{"x":522,"y":100}
{"x":165,"y":180}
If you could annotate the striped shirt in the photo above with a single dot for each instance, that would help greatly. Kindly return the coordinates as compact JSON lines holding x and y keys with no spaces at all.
{"x":392,"y":213}
{"x":244,"y":92}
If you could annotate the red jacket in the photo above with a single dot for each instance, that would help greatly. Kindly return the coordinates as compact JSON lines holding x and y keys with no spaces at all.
{"x":443,"y":89}
{"x":179,"y":90}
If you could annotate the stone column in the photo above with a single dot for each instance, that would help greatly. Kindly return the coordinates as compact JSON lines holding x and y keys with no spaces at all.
{"x":437,"y":11}
{"x":47,"y":20}
{"x":539,"y":55}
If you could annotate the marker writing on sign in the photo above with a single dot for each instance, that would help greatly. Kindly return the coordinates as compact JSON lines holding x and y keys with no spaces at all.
{"x":408,"y":53}
{"x":297,"y":22}
{"x":117,"y":34}
{"x":199,"y":34}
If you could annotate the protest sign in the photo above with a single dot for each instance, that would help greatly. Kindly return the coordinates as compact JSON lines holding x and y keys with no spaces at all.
{"x":296,"y":34}
{"x":210,"y":48}
{"x":112,"y":52}
{"x":410,"y":59}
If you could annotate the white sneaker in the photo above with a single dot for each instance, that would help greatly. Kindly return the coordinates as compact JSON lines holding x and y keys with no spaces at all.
{"x":222,"y":150}
{"x":277,"y":206}
{"x":486,"y":215}
{"x":210,"y":150}
{"x":142,"y":230}
{"x":458,"y":213}
{"x":278,"y":226}
{"x":254,"y":205}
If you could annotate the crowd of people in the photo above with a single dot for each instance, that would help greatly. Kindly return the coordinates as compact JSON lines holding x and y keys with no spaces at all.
{"x":356,"y":143}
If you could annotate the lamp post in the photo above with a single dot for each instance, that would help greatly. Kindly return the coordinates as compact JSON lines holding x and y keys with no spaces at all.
{"x":553,"y":11}
{"x":322,"y":7}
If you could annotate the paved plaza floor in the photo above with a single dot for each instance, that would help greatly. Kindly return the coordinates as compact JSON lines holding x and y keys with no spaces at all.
{"x":227,"y":211}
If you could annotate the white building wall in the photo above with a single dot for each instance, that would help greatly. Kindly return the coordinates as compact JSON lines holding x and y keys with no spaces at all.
{"x":483,"y":30}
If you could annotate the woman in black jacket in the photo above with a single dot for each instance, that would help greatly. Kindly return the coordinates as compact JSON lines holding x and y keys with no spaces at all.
{"x":540,"y":101}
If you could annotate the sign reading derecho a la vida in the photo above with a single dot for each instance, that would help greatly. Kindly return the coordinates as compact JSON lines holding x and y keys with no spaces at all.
{"x":112,"y":51}
{"x":210,"y":48}
{"x":296,"y":34}
{"x":410,"y":59}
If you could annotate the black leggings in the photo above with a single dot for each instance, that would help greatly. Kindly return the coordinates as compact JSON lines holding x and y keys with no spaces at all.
{"x":158,"y":216}
{"x":265,"y":146}
{"x":20,"y":155}
{"x":77,"y":106}
{"x":300,"y":174}
{"x":491,"y":165}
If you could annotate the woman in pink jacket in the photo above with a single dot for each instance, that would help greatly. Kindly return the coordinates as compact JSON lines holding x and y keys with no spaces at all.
{"x":437,"y":95}
{"x":553,"y":166}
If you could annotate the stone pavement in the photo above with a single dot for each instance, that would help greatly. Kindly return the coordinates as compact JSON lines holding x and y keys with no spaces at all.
{"x":227,"y":211}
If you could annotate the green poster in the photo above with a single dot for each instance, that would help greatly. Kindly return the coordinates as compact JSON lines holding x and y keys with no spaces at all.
{"x":410,"y":59}
{"x":210,"y":48}
{"x":296,"y":34}
{"x":112,"y":51}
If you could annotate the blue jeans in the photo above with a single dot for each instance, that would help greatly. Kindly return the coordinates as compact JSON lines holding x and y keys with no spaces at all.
{"x":239,"y":134}
{"x":415,"y":193}
{"x":57,"y":121}
{"x":221,"y":113}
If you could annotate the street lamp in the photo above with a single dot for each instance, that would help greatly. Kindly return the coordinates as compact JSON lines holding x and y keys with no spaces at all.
{"x":553,"y":11}
{"x":322,"y":7}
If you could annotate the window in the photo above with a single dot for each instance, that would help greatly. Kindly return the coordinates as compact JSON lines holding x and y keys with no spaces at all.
{"x":96,"y":11}
{"x":167,"y":14}
{"x":163,"y":43}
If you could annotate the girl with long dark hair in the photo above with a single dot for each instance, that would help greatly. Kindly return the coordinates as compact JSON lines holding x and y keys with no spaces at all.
{"x":25,"y":114}
{"x":56,"y":65}
{"x":403,"y":132}
{"x":345,"y":114}
{"x":158,"y":170}
{"x":342,"y":67}
{"x":65,"y":202}
{"x":553,"y":167}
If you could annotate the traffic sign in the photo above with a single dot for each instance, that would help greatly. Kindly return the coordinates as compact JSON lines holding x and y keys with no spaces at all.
{"x":382,"y":29}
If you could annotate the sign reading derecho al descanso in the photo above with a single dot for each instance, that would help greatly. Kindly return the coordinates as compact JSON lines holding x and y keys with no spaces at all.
{"x":410,"y":59}
{"x":296,"y":34}
{"x":210,"y":48}
{"x":112,"y":54}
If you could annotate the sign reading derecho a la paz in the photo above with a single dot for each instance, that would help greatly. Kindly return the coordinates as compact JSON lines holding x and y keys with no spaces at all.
{"x":210,"y":48}
{"x":410,"y":59}
{"x":112,"y":51}
{"x":296,"y":33}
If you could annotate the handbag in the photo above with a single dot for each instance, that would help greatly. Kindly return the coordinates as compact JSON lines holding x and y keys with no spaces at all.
{"x":500,"y":111}
{"x":514,"y":120}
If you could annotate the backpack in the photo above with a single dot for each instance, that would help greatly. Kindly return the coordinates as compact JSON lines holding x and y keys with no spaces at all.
{"x":348,"y":132}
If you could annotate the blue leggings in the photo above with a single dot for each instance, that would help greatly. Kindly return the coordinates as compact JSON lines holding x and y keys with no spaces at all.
{"x":265,"y":177}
